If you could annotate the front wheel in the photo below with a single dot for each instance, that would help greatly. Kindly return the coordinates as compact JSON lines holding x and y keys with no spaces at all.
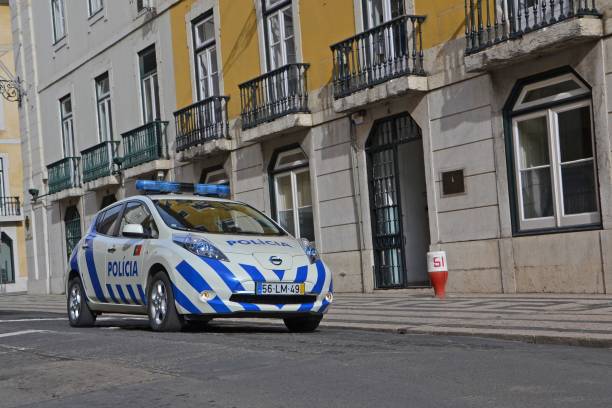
{"x":302,"y":324}
{"x":162,"y":310}
{"x":79,"y":314}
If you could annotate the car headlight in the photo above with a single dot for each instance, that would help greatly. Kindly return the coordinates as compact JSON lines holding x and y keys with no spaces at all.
{"x":310,"y":251}
{"x":200,"y":247}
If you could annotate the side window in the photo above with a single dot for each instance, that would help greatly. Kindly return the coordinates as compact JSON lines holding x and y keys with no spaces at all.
{"x":137,"y":213}
{"x":108,"y":224}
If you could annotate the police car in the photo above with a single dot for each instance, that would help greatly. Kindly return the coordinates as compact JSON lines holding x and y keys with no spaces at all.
{"x":186,"y":257}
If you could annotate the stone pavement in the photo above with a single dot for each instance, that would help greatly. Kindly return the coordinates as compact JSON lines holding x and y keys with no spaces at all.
{"x":540,"y":318}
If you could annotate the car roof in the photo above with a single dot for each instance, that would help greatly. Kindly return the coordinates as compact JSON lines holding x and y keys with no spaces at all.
{"x":169,"y":197}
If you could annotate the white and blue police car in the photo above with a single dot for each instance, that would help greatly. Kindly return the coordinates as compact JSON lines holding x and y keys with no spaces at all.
{"x":184,"y":257}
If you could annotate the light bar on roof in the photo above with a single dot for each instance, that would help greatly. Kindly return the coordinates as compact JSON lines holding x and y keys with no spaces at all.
{"x":151,"y":186}
{"x":218,"y":190}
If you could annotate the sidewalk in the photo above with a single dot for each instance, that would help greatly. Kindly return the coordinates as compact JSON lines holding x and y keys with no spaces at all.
{"x":540,"y":318}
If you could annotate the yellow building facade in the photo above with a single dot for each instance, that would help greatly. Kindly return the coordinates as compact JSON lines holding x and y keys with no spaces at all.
{"x":13,"y":270}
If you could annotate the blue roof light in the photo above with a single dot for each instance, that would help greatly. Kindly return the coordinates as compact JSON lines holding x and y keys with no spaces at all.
{"x":158,"y":186}
{"x":218,"y":190}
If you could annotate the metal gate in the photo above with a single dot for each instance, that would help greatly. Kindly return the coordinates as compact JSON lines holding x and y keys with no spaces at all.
{"x":72,"y":223}
{"x":385,"y":199}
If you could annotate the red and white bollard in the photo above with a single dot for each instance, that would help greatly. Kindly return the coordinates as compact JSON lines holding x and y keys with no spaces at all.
{"x":438,"y":272}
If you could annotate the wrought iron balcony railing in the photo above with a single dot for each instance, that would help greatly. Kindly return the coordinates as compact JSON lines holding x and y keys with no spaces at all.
{"x":98,"y":160}
{"x":64,"y":174}
{"x":274,"y":94}
{"x":144,"y":144}
{"x":10,"y":206}
{"x":488,"y":22}
{"x":200,"y":122}
{"x":388,"y":51}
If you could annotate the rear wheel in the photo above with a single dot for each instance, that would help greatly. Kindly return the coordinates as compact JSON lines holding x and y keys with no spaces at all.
{"x":162,"y":310}
{"x":302,"y":324}
{"x":79,"y":314}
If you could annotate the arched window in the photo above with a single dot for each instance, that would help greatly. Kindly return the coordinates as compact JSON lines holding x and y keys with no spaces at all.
{"x":7,"y":263}
{"x":551,"y":149}
{"x":72,"y":223}
{"x":292,"y":199}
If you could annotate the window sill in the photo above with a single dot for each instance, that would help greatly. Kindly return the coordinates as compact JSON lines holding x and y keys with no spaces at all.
{"x":546,"y":231}
{"x":97,"y":16}
{"x":59,"y":44}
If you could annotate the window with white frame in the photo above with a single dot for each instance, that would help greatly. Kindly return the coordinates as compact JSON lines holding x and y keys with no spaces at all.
{"x":142,"y":5}
{"x":59,"y":19}
{"x":67,"y":127}
{"x":553,"y":150}
{"x":205,"y":49}
{"x":280,"y":35}
{"x":2,"y":189}
{"x":292,"y":193}
{"x":103,"y":103}
{"x":377,"y":12}
{"x":94,"y":6}
{"x":149,"y":88}
{"x":7,"y":262}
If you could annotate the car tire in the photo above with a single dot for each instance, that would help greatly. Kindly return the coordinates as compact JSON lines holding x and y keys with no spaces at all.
{"x":79,"y":313}
{"x":161,"y":308}
{"x":302,"y":324}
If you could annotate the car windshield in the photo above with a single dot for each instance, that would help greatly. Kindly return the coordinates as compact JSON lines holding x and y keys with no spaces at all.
{"x":217,"y":217}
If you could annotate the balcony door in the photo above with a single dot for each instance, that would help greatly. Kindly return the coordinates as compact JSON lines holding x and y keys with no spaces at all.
{"x":377,"y":12}
{"x":280,"y":38}
{"x":206,"y":70}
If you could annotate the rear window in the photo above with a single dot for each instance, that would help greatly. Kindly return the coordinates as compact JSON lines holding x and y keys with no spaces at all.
{"x":107,"y":222}
{"x":215,"y":217}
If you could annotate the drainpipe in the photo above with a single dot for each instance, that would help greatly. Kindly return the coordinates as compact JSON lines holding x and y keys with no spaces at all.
{"x":356,"y":187}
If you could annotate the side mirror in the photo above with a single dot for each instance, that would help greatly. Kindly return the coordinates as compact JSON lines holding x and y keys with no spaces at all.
{"x":133,"y":231}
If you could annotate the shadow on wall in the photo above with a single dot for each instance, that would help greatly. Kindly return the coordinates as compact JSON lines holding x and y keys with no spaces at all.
{"x":249,"y":30}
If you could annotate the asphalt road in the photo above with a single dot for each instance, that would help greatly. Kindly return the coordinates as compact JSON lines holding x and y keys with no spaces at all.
{"x":46,"y":363}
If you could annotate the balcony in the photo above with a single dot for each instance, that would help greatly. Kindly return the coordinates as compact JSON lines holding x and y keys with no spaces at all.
{"x":381,"y":62}
{"x":64,"y":178}
{"x":278,"y":94}
{"x":145,"y":149}
{"x":98,"y":164}
{"x":501,"y":32}
{"x":203,"y":127}
{"x":10,"y":209}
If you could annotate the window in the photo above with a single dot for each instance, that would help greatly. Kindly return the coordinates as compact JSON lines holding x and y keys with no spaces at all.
{"x":377,"y":12}
{"x":217,"y":217}
{"x":137,"y":213}
{"x":7,"y":263}
{"x":94,"y":6}
{"x":207,"y":72}
{"x":292,"y":195}
{"x":555,"y":176}
{"x":103,"y":100}
{"x":142,"y":5}
{"x":278,"y":20}
{"x":72,"y":225}
{"x":2,"y":192}
{"x":149,"y":89}
{"x":59,"y":20}
{"x":2,"y":114}
{"x":67,"y":127}
{"x":106,"y":223}
{"x":214,"y":176}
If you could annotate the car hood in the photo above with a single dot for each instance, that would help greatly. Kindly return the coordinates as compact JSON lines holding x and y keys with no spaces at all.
{"x":253,"y":244}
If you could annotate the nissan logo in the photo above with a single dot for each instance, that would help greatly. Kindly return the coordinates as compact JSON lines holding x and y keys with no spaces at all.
{"x":275,"y":260}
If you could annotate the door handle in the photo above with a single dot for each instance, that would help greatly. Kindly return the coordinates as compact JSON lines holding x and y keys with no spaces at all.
{"x":85,"y":246}
{"x":111,"y":250}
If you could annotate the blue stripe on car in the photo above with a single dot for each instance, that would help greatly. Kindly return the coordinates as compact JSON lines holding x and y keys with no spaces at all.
{"x":320,"y":278}
{"x":184,"y":301}
{"x":305,"y":307}
{"x":249,"y":307}
{"x":74,"y":264}
{"x":132,"y":294}
{"x":279,"y":272}
{"x":324,"y":306}
{"x":122,"y":295}
{"x":91,"y":268}
{"x":301,"y":274}
{"x":111,"y":293}
{"x":199,"y":284}
{"x":253,"y":273}
{"x":142,"y":294}
{"x":224,"y":273}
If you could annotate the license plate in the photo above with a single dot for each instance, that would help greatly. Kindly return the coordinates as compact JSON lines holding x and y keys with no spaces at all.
{"x":279,"y":288}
